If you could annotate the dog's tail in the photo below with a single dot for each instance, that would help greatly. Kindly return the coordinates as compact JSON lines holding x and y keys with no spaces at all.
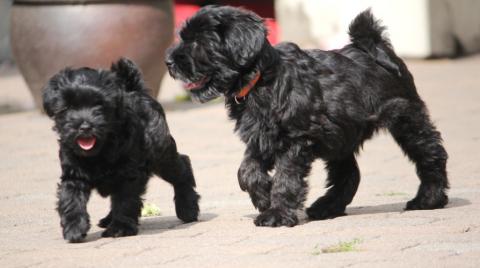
{"x":368,"y":34}
{"x":366,"y":31}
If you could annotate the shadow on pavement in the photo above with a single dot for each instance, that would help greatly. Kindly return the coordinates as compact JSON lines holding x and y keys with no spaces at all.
{"x":156,"y":225}
{"x":399,"y":207}
{"x":384,"y":208}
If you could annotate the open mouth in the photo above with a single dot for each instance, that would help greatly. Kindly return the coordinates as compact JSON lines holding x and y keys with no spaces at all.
{"x":196,"y":85}
{"x":87,"y":143}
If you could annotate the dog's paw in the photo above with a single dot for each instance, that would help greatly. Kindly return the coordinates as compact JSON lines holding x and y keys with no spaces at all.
{"x":427,"y":202}
{"x":186,"y":207}
{"x":103,"y":223}
{"x":76,"y":232}
{"x":74,"y":235}
{"x":324,"y":209}
{"x":429,"y":196}
{"x":276,"y":217}
{"x":120,"y":229}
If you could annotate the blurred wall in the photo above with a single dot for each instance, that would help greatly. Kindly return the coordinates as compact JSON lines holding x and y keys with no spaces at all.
{"x":5,"y":52}
{"x":417,"y":28}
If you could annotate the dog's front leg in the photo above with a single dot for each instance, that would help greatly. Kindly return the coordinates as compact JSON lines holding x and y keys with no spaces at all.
{"x":126,"y":208}
{"x":253,"y":177}
{"x":289,"y":188}
{"x":72,"y":197}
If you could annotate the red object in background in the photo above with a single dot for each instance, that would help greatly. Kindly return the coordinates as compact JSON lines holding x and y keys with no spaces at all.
{"x":272,"y":27}
{"x":186,"y":8}
{"x":183,"y":11}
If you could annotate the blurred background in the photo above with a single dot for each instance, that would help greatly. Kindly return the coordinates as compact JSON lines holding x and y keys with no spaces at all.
{"x":40,"y":37}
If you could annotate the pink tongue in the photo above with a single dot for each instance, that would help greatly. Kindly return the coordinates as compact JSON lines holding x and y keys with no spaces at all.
{"x":190,"y":86}
{"x":194,"y":85}
{"x":86,"y":143}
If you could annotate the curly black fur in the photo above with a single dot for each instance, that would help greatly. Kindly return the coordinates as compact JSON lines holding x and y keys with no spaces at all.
{"x":113,"y":137}
{"x":308,"y":104}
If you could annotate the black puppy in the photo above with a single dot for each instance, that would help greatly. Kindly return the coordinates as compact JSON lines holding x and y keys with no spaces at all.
{"x":292,"y":106}
{"x":113,"y":137}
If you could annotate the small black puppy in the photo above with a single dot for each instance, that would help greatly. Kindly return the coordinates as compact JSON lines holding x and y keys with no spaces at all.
{"x":292,"y":106}
{"x":113,"y":137}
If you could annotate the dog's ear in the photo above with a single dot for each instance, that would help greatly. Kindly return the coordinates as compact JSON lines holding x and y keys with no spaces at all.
{"x":52,"y":101}
{"x":129,"y":74}
{"x":244,"y":37}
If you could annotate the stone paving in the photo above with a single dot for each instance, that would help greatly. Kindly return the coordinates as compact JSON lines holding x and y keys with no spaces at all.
{"x":376,"y":232}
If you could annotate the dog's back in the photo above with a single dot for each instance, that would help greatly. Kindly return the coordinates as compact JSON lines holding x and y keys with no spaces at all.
{"x":368,"y":60}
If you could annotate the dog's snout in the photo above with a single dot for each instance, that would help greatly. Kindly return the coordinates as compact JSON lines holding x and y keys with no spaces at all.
{"x":85,"y":126}
{"x":169,"y":62}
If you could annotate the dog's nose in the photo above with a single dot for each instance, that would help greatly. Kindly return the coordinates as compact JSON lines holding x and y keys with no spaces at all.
{"x":85,"y":126}
{"x":169,"y":62}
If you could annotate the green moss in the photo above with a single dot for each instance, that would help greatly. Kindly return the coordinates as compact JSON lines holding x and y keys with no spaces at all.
{"x":150,"y":210}
{"x":182,"y":98}
{"x":337,"y":248}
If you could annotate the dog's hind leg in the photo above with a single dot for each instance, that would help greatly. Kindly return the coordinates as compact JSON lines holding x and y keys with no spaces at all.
{"x":422,"y":143}
{"x":253,"y":177}
{"x":176,"y":169}
{"x":289,"y":187}
{"x":343,"y":179}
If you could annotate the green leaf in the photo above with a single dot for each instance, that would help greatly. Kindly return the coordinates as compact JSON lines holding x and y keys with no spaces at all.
{"x":150,"y":210}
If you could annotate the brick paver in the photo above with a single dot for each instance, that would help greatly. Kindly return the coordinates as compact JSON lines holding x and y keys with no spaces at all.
{"x":225,"y":235}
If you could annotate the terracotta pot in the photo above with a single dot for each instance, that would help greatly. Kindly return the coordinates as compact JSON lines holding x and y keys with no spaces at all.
{"x":47,"y":36}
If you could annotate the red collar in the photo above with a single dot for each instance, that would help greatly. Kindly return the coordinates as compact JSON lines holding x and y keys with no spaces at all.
{"x":246,"y":89}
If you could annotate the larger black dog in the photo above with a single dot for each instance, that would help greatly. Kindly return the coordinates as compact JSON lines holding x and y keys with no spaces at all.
{"x":292,"y":106}
{"x":113,"y":137}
